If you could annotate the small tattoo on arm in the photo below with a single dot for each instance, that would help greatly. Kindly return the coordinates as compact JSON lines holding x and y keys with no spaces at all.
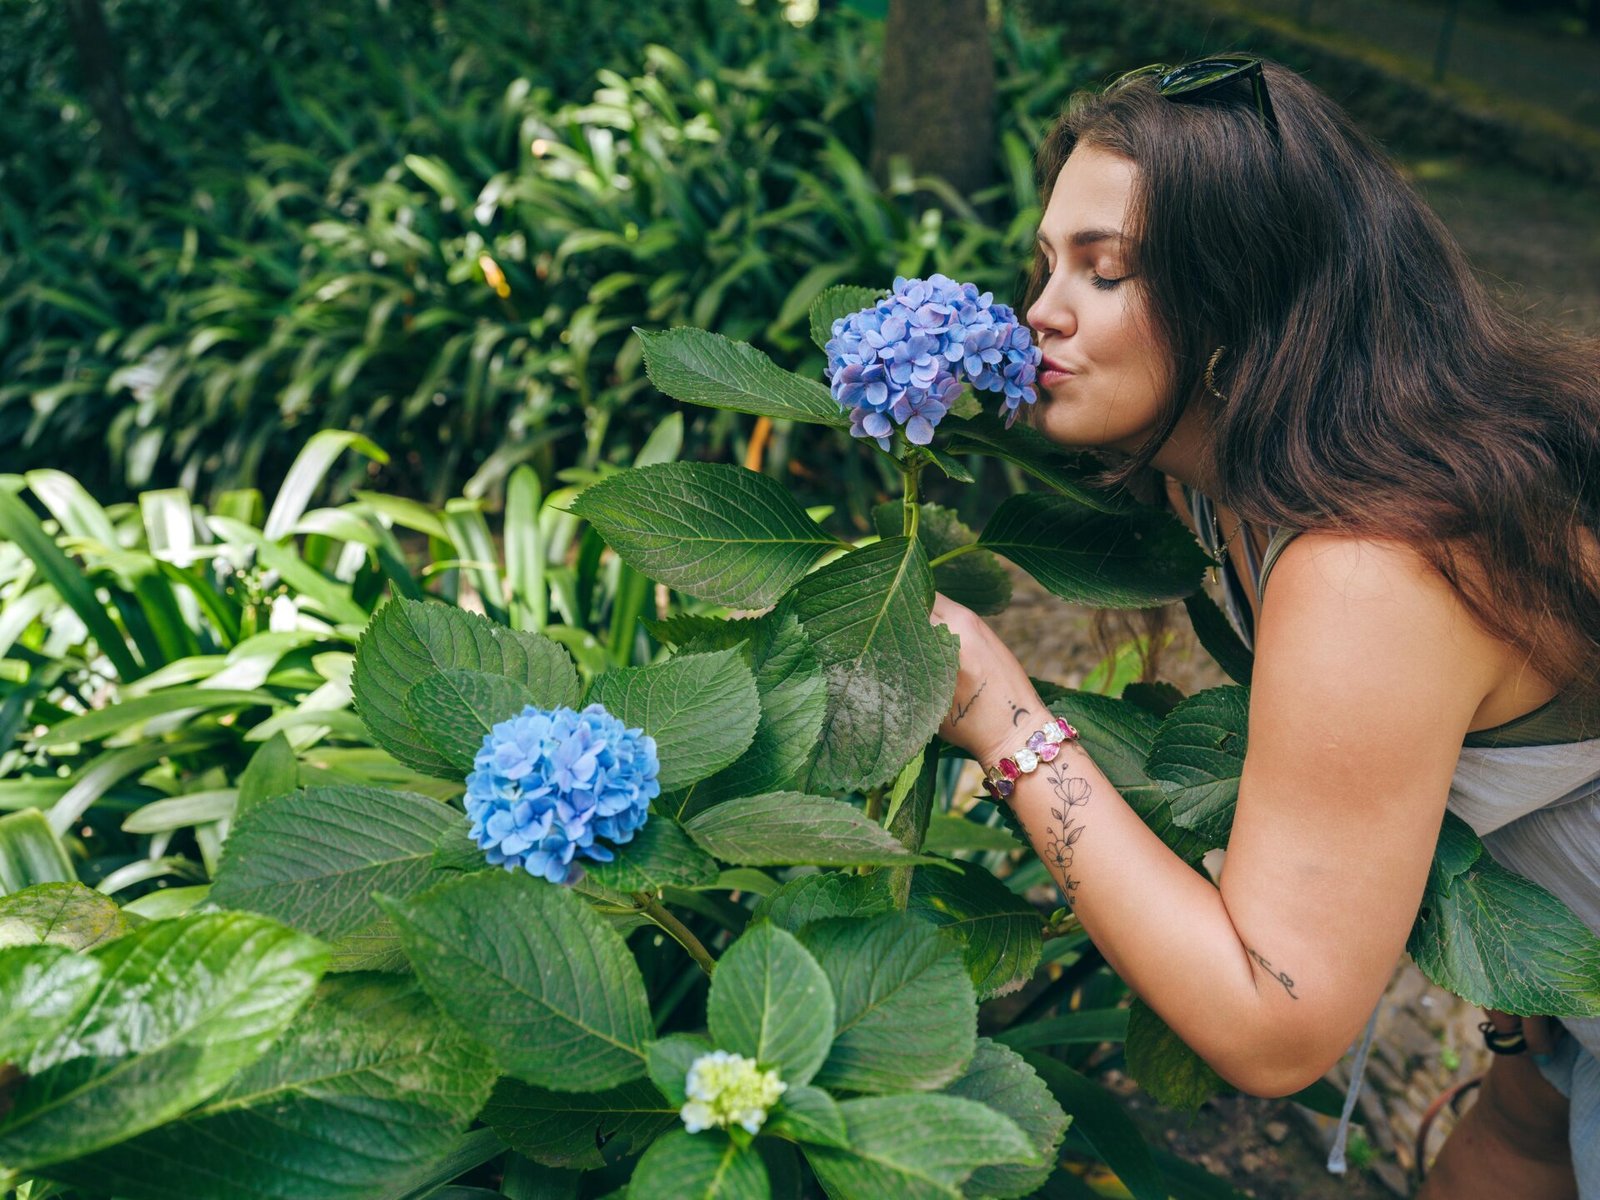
{"x":1071,"y":793}
{"x":1017,"y":713}
{"x":959,"y":710}
{"x":1281,"y":976}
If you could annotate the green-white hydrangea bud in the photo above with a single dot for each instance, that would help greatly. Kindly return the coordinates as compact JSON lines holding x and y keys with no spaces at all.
{"x":729,"y":1089}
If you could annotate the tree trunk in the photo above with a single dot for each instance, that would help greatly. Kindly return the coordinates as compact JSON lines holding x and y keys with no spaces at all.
{"x":936,"y":93}
{"x":100,"y":71}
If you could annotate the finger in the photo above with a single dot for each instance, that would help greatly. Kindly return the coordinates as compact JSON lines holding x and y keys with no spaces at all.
{"x":1540,"y":1033}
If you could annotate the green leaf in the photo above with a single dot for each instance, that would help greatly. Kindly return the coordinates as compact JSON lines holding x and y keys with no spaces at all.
{"x":1027,"y":448}
{"x":1219,"y":638}
{"x":906,"y":1014}
{"x":534,"y":974}
{"x":1101,"y":1119}
{"x":1087,"y":1027}
{"x":60,"y":914}
{"x":714,"y":531}
{"x":999,"y":931}
{"x":794,"y":702}
{"x":368,"y":1085}
{"x":1457,"y":849}
{"x":313,"y":859}
{"x":1163,"y":1064}
{"x":838,"y":301}
{"x":948,"y":832}
{"x":306,"y":473}
{"x":132,"y":713}
{"x":917,"y":1147}
{"x":42,"y":989}
{"x":454,"y":710}
{"x":1134,"y":559}
{"x":701,"y":709}
{"x":718,"y":372}
{"x":808,"y":1114}
{"x":808,"y":898}
{"x":785,"y":828}
{"x":1502,"y":941}
{"x":975,"y":578}
{"x":890,"y":672}
{"x":31,"y":853}
{"x":660,"y":855}
{"x":560,"y":1129}
{"x":668,"y":1060}
{"x":273,"y":770}
{"x":699,"y":1166}
{"x":1198,"y":757}
{"x":181,"y":1007}
{"x":771,"y":1002}
{"x":409,"y":640}
{"x":999,"y":1078}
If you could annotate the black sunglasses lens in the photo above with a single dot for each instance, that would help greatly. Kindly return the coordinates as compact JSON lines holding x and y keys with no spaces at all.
{"x":1208,"y":73}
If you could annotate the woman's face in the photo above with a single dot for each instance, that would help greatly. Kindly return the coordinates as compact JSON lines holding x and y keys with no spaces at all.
{"x":1104,"y":380}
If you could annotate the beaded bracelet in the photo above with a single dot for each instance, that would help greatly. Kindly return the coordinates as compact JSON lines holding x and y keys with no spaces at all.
{"x":1000,"y":780}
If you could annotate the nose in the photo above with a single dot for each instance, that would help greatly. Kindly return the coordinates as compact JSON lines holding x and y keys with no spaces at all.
{"x":1051,"y":313}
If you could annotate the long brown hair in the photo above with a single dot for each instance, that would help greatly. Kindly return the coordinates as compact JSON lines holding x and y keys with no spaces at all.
{"x":1373,"y":386}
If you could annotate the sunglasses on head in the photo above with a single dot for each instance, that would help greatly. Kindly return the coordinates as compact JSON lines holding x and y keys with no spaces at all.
{"x":1195,"y":79}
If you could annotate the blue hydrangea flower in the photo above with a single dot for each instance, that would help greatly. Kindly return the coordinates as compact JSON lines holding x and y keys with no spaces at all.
{"x":547,"y":782}
{"x":904,"y":360}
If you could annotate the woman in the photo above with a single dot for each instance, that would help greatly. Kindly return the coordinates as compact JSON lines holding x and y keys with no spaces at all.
{"x":1236,"y":290}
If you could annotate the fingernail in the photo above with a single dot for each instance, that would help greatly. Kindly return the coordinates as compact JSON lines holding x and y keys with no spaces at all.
{"x":1542,"y":1059}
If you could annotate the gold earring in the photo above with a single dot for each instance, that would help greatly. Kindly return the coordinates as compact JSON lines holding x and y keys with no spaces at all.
{"x":1211,"y":380}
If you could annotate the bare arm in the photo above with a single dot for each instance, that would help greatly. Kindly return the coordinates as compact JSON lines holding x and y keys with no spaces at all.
{"x":1367,"y":676}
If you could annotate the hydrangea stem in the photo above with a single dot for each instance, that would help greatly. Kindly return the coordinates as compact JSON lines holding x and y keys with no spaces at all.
{"x":911,"y":471}
{"x":956,"y":553}
{"x":659,"y":913}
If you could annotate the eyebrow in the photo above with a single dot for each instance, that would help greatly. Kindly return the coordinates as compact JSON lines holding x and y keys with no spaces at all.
{"x":1085,"y":237}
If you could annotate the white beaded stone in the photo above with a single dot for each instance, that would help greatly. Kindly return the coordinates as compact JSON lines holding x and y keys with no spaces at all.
{"x":1053,"y":734}
{"x":1027,"y":760}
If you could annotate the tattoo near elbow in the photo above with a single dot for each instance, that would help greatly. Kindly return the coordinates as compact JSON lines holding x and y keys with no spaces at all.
{"x":1281,"y":976}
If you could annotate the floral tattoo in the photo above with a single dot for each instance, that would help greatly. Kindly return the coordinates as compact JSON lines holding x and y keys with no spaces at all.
{"x":1071,"y":793}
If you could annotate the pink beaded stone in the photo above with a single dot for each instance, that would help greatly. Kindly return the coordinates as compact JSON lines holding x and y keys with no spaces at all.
{"x":1009,"y":768}
{"x":1067,"y":730}
{"x":1048,"y":751}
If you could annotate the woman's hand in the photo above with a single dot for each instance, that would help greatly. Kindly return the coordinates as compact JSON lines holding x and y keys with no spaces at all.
{"x":996,"y":706}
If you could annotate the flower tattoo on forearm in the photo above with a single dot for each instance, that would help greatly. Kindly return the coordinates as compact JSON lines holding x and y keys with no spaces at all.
{"x":1066,"y":827}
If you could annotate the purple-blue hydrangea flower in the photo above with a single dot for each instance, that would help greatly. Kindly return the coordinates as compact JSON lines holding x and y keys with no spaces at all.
{"x":547,"y":782}
{"x":903,"y":361}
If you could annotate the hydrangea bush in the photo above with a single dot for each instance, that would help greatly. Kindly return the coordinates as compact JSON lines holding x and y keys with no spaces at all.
{"x":719,"y":925}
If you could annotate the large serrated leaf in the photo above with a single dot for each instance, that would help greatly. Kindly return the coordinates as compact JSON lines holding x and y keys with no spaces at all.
{"x":699,"y":1166}
{"x":313,"y":859}
{"x":181,"y":1006}
{"x":701,"y":709}
{"x":809,"y":1114}
{"x":534,"y":974}
{"x":718,"y":532}
{"x":905,"y":1010}
{"x":999,"y":1078}
{"x":1134,"y":559}
{"x":718,"y":372}
{"x":42,"y":988}
{"x":659,"y":855}
{"x":771,"y":1002}
{"x":1100,"y":1117}
{"x":560,"y":1129}
{"x":808,"y":898}
{"x":794,"y":702}
{"x":917,"y":1147}
{"x":1219,"y":637}
{"x":408,"y":640}
{"x":369,"y":1085}
{"x":786,"y":828}
{"x":999,"y":931}
{"x":974,"y":578}
{"x":1502,"y":941}
{"x":1198,"y":758}
{"x":1163,"y":1064}
{"x":455,"y":710}
{"x":890,"y":672}
{"x":60,"y":914}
